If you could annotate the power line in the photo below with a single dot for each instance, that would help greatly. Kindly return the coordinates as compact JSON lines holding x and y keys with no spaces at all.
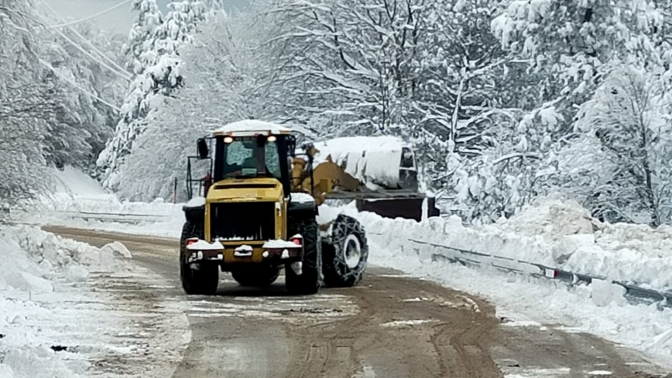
{"x":125,"y":74}
{"x":92,"y":16}
{"x":77,"y":85}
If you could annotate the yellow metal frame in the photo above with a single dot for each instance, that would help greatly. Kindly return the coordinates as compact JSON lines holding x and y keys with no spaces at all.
{"x":243,"y":190}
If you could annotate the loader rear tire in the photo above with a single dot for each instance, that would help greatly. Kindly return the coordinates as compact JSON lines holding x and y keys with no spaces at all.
{"x":346,"y":254}
{"x":308,"y":282}
{"x":257,"y":276}
{"x":197,"y":278}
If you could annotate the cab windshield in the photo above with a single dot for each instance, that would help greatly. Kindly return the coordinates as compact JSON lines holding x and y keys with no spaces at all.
{"x":241,"y":158}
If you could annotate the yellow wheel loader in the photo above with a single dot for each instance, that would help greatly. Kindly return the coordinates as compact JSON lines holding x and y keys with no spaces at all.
{"x":255,"y":211}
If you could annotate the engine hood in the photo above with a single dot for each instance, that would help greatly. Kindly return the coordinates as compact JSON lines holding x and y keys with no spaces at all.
{"x":249,"y":189}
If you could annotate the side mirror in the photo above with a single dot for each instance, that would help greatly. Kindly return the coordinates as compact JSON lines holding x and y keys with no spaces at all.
{"x":202,"y":146}
{"x":309,"y":148}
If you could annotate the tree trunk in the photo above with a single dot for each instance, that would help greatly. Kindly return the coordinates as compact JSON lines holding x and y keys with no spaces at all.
{"x":458,"y":105}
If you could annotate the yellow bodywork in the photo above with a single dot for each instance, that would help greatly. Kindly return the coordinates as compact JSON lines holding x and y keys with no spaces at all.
{"x":327,"y":176}
{"x":244,"y":190}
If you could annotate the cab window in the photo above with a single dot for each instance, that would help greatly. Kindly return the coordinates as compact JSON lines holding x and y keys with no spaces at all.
{"x":241,"y":158}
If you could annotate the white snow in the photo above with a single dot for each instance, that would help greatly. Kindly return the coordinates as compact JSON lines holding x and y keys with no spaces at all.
{"x":33,"y":263}
{"x":372,"y":160}
{"x":73,"y":181}
{"x":245,"y":248}
{"x":250,"y":127}
{"x":279,"y":244}
{"x":302,"y":197}
{"x":58,"y":292}
{"x":79,"y":201}
{"x":77,"y":273}
{"x":117,"y":249}
{"x":203,"y":245}
{"x":553,"y":233}
{"x":402,"y":323}
{"x":195,"y":202}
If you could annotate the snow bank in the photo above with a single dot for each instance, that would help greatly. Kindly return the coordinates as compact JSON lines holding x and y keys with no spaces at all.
{"x":35,"y":262}
{"x":569,"y":238}
{"x":79,"y":201}
{"x":557,"y":234}
{"x":75,"y":191}
{"x":31,"y":257}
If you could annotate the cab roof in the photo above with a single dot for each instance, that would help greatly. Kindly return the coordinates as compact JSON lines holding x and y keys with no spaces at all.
{"x":250,"y":127}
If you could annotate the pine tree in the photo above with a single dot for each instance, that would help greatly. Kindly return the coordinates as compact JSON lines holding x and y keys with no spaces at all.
{"x":139,"y":38}
{"x":25,"y":106}
{"x":82,"y":124}
{"x":158,"y":67}
{"x":629,"y":119}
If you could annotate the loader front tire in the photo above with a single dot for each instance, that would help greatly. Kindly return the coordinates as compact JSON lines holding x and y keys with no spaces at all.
{"x":346,"y":253}
{"x":197,"y":278}
{"x":308,"y":282}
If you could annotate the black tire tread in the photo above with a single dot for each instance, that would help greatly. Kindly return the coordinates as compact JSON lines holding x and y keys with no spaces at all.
{"x":203,"y":281}
{"x":309,"y":282}
{"x":336,"y":272}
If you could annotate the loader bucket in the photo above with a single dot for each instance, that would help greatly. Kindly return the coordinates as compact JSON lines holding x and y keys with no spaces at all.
{"x":407,"y":208}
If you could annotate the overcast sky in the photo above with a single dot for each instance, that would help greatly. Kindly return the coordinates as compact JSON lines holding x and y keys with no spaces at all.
{"x":116,"y":21}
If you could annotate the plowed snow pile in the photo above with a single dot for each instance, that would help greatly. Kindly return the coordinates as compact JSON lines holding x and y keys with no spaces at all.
{"x":36,"y":264}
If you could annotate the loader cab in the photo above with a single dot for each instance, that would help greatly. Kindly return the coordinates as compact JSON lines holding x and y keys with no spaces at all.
{"x":240,"y":151}
{"x":257,"y":156}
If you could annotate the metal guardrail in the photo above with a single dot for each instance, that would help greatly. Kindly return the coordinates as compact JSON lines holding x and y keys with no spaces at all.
{"x":113,"y":217}
{"x":633,"y":292}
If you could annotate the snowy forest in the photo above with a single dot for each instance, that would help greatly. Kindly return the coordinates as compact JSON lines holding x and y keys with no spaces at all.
{"x":504,"y":100}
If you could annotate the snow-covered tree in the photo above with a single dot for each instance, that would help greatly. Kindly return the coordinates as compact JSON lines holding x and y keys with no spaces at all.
{"x":82,"y":123}
{"x":157,"y":67}
{"x":149,"y":18}
{"x":570,"y":42}
{"x":25,"y":105}
{"x":571,"y":46}
{"x":163,"y":61}
{"x":222,"y":63}
{"x":503,"y":100}
{"x":629,"y":118}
